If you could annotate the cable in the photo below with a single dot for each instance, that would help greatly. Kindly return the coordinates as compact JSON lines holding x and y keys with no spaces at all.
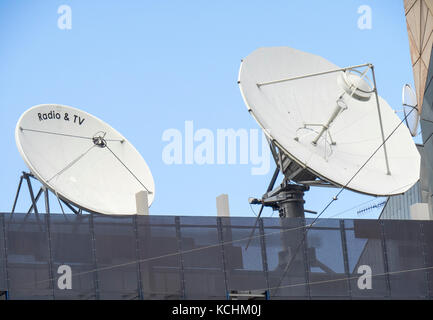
{"x":67,"y":135}
{"x":255,"y":214}
{"x":347,"y":278}
{"x":251,"y":207}
{"x":56,"y":133}
{"x":150,"y":192}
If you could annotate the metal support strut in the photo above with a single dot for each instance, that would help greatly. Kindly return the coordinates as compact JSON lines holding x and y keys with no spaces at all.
{"x":388,"y":172}
{"x":34,"y":200}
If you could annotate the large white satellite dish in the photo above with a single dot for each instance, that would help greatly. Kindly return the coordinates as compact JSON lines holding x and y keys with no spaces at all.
{"x":83,"y":160}
{"x":329,"y":120}
{"x":410,"y":109}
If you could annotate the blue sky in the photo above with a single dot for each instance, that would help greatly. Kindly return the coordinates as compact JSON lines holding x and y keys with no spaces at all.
{"x":148,"y":66}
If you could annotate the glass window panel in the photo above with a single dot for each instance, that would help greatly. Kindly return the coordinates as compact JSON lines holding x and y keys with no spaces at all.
{"x":204,"y":272}
{"x":28,"y":257}
{"x":244,"y":267}
{"x":287,"y":275}
{"x":324,"y":223}
{"x":71,"y":244}
{"x":116,"y":257}
{"x":364,"y":248}
{"x":405,"y":255}
{"x":160,"y":264}
{"x":198,"y":221}
{"x":325,"y":257}
{"x":238,"y":221}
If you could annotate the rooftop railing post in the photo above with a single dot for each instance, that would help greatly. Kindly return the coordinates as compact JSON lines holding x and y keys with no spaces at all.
{"x":180,"y":249}
{"x":345,"y":256}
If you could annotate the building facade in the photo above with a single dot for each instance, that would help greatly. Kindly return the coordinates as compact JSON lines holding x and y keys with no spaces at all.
{"x":172,"y":257}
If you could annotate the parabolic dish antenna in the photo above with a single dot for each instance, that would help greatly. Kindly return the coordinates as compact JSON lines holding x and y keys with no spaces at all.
{"x":410,"y":109}
{"x":329,"y":120}
{"x":82,"y":159}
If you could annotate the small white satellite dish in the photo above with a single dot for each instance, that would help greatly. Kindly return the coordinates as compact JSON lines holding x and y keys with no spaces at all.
{"x":82,"y":159}
{"x":409,"y":102}
{"x":329,"y":120}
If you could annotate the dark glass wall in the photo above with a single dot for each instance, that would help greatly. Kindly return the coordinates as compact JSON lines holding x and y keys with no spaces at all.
{"x":170,"y":257}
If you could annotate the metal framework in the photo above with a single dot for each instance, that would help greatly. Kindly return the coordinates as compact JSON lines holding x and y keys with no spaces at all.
{"x":287,"y":198}
{"x":34,"y":200}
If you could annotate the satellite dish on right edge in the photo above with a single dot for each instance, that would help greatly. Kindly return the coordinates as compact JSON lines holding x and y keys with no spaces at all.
{"x":409,"y":102}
